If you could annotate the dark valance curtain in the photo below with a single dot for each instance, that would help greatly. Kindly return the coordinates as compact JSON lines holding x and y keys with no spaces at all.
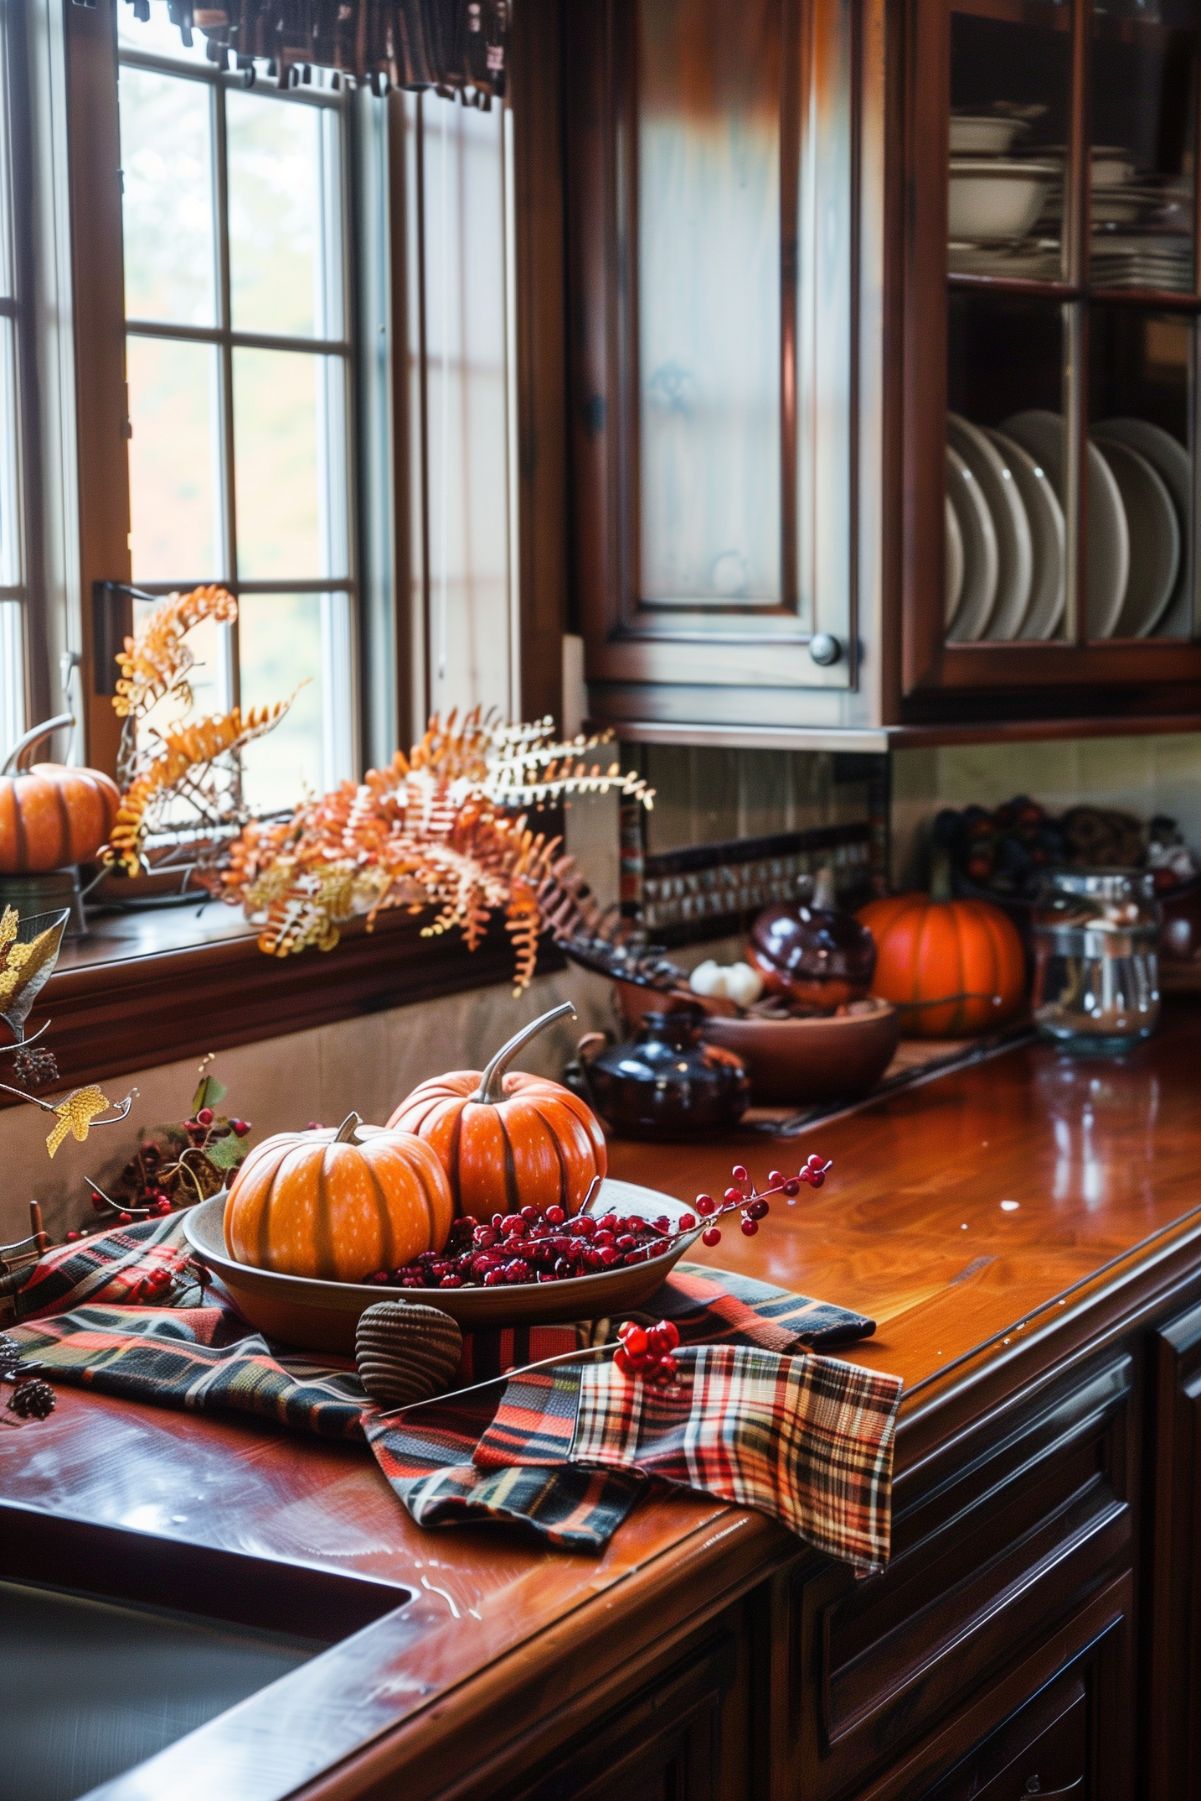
{"x":456,"y":47}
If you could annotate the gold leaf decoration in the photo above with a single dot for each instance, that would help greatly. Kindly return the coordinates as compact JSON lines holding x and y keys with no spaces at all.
{"x":75,"y":1115}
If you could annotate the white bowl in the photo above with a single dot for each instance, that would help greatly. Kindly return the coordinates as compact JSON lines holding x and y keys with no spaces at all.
{"x":995,"y":202}
{"x":985,"y":134}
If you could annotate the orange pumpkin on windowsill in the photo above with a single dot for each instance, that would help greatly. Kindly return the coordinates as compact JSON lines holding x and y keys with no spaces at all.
{"x":52,"y":816}
{"x":331,"y":1205}
{"x":952,"y":968}
{"x":505,"y":1139}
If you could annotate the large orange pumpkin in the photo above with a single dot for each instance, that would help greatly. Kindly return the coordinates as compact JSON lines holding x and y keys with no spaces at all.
{"x":952,"y":967}
{"x":508,"y":1141}
{"x":338,"y":1205}
{"x":51,"y":815}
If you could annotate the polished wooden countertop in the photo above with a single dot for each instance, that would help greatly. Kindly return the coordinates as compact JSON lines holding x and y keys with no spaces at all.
{"x":993,"y":1219}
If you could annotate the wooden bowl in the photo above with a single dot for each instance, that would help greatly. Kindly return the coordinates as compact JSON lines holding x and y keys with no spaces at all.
{"x":795,"y":1061}
{"x":323,"y":1316}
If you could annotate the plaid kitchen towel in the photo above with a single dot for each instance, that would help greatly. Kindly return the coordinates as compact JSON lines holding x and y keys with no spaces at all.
{"x":806,"y":1439}
{"x":561,"y":1456}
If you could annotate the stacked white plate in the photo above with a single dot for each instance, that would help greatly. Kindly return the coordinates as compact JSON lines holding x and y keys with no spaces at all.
{"x":1006,"y":534}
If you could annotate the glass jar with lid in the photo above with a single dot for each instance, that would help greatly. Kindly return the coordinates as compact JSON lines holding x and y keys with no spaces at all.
{"x":1096,"y":969}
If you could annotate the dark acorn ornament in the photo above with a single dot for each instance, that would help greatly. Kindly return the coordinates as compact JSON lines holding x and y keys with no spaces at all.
{"x":811,"y":953}
{"x":406,"y":1352}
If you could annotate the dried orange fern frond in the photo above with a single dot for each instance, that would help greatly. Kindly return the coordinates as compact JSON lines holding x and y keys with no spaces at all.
{"x":442,"y":830}
{"x":187,"y":751}
{"x":156,"y":660}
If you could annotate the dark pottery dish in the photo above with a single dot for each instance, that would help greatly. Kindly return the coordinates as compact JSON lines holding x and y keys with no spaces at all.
{"x":795,"y":1061}
{"x":668,"y":1082}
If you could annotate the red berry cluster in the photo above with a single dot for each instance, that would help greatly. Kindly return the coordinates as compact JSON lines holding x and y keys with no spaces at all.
{"x":538,"y":1244}
{"x":648,"y":1351}
{"x":169,"y":1171}
{"x":541,"y":1244}
{"x":743,"y":1197}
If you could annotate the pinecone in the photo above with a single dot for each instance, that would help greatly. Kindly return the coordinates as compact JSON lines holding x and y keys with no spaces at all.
{"x":10,"y":1353}
{"x":32,"y":1400}
{"x":34,"y":1065}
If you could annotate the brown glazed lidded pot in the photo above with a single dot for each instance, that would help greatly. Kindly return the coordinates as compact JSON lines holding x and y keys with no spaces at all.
{"x":812,"y":953}
{"x":666,"y":1082}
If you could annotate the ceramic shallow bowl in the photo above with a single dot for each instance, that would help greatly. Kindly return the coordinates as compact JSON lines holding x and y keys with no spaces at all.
{"x":322,"y":1316}
{"x":991,"y":201}
{"x":795,"y":1061}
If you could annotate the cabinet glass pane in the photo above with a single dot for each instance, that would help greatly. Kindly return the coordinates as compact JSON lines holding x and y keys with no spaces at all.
{"x":173,"y":461}
{"x":284,"y":216}
{"x":1144,"y":94}
{"x":167,"y":198}
{"x":291,"y":491}
{"x":1008,"y":532}
{"x":708,"y":300}
{"x":1139,"y":385}
{"x":1010,"y":113}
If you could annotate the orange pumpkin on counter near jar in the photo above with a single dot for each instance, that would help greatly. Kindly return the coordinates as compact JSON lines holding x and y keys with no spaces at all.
{"x":334,"y":1205}
{"x":51,"y":815}
{"x":509,"y":1140}
{"x":953,"y":968}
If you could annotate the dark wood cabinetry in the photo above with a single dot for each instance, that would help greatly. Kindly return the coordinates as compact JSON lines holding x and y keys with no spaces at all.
{"x":800,"y":353}
{"x":1173,"y":1668}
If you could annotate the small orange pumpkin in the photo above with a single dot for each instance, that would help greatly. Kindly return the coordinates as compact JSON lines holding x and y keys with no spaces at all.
{"x":508,"y":1141}
{"x":338,"y":1205}
{"x":51,"y":815}
{"x":952,"y":967}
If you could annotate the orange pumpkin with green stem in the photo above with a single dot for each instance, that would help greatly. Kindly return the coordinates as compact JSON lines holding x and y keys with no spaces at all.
{"x":952,"y":967}
{"x":508,"y":1140}
{"x":335,"y":1205}
{"x":51,"y":815}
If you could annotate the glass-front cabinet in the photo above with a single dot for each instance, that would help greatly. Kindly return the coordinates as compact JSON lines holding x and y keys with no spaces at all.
{"x":1050,"y":400}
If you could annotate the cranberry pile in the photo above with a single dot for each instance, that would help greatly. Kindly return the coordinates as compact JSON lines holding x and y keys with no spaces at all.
{"x":541,"y":1244}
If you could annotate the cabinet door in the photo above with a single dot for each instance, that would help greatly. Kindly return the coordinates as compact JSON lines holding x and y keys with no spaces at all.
{"x":1172,"y":1634}
{"x":711,"y":221}
{"x":684,"y":1737}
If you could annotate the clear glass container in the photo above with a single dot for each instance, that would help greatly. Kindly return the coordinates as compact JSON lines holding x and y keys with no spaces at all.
{"x":1096,"y":972}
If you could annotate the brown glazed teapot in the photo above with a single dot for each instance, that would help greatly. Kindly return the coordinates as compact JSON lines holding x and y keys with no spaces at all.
{"x":811,"y":953}
{"x":665,"y":1083}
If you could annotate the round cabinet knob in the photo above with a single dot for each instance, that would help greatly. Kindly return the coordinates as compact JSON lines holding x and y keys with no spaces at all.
{"x":824,"y":649}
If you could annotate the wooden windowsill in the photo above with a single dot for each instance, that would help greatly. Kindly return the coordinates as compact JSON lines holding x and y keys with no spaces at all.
{"x":152,"y":985}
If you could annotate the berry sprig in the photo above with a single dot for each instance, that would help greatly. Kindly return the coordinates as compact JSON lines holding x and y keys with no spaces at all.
{"x":645,"y":1351}
{"x":752,"y":1203}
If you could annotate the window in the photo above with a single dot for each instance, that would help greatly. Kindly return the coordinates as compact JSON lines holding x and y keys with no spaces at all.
{"x":17,"y":473}
{"x":240,"y":365}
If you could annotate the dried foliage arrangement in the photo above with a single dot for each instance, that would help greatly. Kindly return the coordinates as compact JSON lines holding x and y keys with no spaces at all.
{"x":173,"y":770}
{"x":444,"y":829}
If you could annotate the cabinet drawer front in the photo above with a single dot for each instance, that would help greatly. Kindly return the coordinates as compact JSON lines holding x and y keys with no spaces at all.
{"x":998,"y":1547}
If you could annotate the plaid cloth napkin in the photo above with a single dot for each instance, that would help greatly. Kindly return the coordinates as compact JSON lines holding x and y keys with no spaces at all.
{"x":565,"y":1453}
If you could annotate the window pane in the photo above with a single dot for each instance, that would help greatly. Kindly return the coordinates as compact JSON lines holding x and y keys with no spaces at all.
{"x":10,"y":519}
{"x":12,"y":666}
{"x":284,"y":248}
{"x":166,"y":155}
{"x":291,"y":494}
{"x":173,"y":461}
{"x":6,"y":277}
{"x":283,"y":642}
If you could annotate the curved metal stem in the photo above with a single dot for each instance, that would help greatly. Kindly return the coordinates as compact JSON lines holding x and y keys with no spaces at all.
{"x":490,"y":1089}
{"x":33,"y":736}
